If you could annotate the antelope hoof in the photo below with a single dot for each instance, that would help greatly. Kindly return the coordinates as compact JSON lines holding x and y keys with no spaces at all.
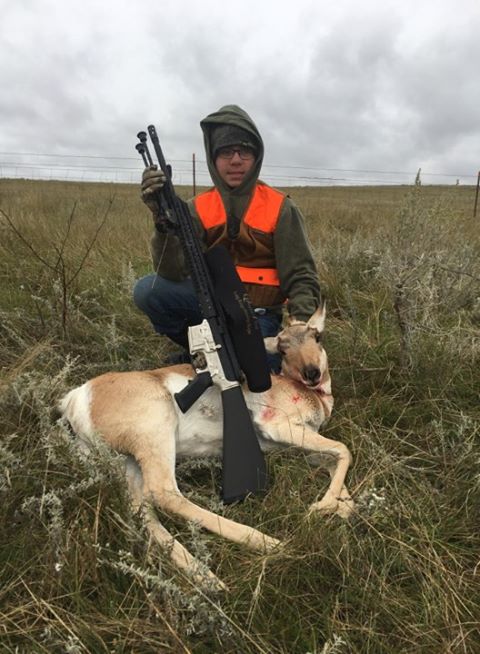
{"x":272,"y":544}
{"x":326,"y":505}
{"x":269,"y":544}
{"x":262,"y":543}
{"x":345,"y":507}
{"x":208,"y":582}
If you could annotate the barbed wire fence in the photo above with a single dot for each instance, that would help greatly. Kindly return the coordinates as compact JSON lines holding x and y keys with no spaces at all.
{"x":116,"y":169}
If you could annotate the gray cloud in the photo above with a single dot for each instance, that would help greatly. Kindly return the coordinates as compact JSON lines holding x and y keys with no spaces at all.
{"x":380,"y":86}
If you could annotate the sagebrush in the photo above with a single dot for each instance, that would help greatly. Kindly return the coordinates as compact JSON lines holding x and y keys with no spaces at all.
{"x":400,"y":268}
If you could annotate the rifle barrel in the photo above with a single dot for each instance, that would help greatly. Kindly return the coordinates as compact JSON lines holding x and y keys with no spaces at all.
{"x":141,"y":148}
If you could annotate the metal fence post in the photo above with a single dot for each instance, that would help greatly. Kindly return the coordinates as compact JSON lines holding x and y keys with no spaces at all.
{"x":194,"y":177}
{"x":476,"y":195}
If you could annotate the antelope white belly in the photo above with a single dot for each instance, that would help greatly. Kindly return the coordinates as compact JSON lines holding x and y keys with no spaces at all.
{"x":199,"y":430}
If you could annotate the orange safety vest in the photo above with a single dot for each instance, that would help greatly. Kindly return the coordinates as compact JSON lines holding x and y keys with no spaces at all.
{"x":262,"y":214}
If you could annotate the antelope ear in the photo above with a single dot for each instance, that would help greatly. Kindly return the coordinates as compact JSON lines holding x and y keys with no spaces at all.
{"x":271,"y":344}
{"x":317,"y":321}
{"x":289,"y":321}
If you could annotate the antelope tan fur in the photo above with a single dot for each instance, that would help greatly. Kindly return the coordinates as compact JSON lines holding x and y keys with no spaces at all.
{"x":136,"y":414}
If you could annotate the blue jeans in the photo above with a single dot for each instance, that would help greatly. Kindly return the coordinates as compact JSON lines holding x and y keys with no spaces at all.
{"x":172,"y":308}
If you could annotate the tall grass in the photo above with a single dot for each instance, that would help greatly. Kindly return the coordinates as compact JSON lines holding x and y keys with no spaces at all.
{"x":401,"y":272}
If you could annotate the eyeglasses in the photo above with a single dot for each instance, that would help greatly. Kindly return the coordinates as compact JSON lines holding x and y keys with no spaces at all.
{"x":243,"y":152}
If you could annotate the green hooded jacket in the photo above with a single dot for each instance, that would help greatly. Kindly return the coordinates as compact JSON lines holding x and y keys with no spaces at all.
{"x":295,"y":264}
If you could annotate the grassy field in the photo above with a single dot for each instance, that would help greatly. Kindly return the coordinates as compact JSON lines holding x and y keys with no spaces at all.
{"x":400,"y":268}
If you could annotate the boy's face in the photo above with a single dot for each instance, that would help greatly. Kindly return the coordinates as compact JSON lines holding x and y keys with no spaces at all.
{"x":234,"y":163}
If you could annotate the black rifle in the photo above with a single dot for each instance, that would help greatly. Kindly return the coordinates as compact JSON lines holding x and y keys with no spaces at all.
{"x":229,"y":337}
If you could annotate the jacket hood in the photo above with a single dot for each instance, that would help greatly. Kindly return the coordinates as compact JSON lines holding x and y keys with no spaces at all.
{"x":231,"y":114}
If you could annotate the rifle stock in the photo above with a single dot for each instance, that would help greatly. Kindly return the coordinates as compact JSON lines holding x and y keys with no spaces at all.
{"x":243,"y":470}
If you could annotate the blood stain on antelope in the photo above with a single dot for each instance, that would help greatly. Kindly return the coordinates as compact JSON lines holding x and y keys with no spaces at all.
{"x":268,"y":413}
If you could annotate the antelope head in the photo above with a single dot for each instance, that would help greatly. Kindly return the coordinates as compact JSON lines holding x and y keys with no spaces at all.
{"x":303,"y":357}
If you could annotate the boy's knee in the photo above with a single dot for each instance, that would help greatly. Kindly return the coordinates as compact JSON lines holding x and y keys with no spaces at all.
{"x":142,"y":291}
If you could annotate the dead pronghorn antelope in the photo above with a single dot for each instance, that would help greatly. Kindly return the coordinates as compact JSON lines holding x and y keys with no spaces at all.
{"x":136,"y":414}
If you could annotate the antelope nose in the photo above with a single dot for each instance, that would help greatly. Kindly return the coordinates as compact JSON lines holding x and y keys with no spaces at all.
{"x":311,"y":374}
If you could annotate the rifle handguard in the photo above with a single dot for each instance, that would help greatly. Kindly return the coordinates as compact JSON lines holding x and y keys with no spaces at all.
{"x":243,"y":326}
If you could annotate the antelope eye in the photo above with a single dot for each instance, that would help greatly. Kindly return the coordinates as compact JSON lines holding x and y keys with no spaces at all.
{"x":318,"y":337}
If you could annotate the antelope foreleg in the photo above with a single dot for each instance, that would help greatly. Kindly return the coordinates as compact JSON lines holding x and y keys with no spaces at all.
{"x":336,"y":499}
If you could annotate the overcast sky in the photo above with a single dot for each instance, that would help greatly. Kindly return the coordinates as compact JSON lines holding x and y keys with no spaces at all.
{"x":341,"y":86}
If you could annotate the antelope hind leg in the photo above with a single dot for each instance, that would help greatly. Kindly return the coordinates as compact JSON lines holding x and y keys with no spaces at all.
{"x":160,"y":488}
{"x":174,"y":502}
{"x":179,"y":555}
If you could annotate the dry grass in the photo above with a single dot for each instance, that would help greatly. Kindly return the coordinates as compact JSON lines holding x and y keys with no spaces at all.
{"x":401,"y":271}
